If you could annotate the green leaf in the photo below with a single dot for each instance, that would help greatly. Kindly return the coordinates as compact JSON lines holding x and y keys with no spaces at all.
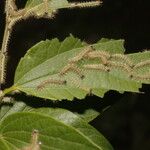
{"x":46,"y":59}
{"x":46,"y":50}
{"x":65,"y":131}
{"x":7,"y":109}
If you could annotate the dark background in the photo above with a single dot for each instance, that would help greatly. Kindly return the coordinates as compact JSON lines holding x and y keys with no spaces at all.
{"x":127,"y":123}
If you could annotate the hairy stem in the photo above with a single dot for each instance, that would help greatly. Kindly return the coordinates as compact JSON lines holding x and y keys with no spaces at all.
{"x":3,"y":53}
{"x":10,"y":10}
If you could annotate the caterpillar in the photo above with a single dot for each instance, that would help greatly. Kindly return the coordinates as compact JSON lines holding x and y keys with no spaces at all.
{"x":85,"y":4}
{"x":141,"y":77}
{"x":81,"y":55}
{"x":123,"y":66}
{"x":142,"y":64}
{"x":34,"y":143}
{"x":73,"y":68}
{"x":51,"y":81}
{"x":99,"y":54}
{"x":124,"y":58}
{"x":97,"y":67}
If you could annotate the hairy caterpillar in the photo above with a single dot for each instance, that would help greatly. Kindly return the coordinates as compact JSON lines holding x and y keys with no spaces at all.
{"x":124,"y":58}
{"x":34,"y":144}
{"x":81,"y":55}
{"x":85,"y":4}
{"x":123,"y":66}
{"x":96,"y":54}
{"x":97,"y":67}
{"x":73,"y":68}
{"x":142,"y":64}
{"x":51,"y":81}
{"x":99,"y":54}
{"x":141,"y":77}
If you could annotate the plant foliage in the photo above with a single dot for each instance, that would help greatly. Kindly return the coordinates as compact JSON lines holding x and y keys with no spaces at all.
{"x":62,"y":70}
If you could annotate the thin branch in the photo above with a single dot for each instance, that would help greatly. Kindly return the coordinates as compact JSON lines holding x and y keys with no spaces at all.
{"x":12,"y":16}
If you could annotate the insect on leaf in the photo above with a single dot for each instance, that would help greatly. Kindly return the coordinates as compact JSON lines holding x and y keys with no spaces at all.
{"x":43,"y":68}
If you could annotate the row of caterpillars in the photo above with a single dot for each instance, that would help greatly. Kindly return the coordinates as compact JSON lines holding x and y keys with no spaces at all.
{"x":107,"y":63}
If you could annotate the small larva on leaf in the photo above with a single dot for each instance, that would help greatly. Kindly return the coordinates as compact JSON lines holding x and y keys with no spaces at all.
{"x":81,"y":55}
{"x":141,"y":77}
{"x":34,"y":144}
{"x":66,"y":69}
{"x":99,"y":53}
{"x":97,"y":67}
{"x":73,"y":68}
{"x":122,"y":66}
{"x":85,"y":4}
{"x":104,"y":56}
{"x":51,"y":81}
{"x":123,"y":58}
{"x":142,"y":64}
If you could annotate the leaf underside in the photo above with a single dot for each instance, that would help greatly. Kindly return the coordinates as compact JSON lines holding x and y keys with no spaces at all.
{"x":38,"y":72}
